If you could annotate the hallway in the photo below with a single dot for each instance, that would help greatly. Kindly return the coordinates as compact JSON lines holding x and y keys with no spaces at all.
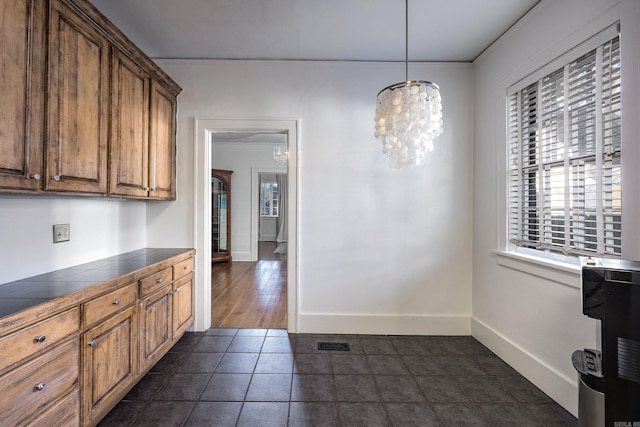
{"x":250,"y":294}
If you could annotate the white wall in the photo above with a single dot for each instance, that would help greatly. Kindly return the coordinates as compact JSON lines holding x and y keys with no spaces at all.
{"x":241,"y":158}
{"x":99,"y":228}
{"x":532,"y":316}
{"x":380,"y":250}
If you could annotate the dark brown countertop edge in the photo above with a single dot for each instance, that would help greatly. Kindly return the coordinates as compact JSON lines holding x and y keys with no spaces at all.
{"x":159,"y":258}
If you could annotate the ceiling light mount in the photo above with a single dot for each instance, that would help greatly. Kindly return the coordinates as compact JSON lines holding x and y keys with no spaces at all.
{"x":408,"y":116}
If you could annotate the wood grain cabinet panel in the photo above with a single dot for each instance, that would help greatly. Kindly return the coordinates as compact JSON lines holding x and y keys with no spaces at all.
{"x":162,"y":143}
{"x":22,"y":75}
{"x":28,"y":391}
{"x":39,"y":337}
{"x":102,"y":307}
{"x":66,"y":413}
{"x":156,"y":326}
{"x":129,"y":136}
{"x":109,"y":364}
{"x":78,"y":103}
{"x":182,"y":268}
{"x":155,"y":281}
{"x":182,"y":305}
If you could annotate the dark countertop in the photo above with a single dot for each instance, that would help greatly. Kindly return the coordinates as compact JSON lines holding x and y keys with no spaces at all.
{"x":26,"y":293}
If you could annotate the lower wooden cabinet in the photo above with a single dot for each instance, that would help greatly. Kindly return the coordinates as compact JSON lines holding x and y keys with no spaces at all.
{"x":109,"y":363}
{"x":155,"y":326}
{"x":72,"y":367}
{"x":182,"y":304}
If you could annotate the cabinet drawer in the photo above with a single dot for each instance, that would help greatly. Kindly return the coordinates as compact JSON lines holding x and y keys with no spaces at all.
{"x":65,"y":413}
{"x":155,"y":281}
{"x":183,"y":268}
{"x":39,"y":337}
{"x":28,"y":391}
{"x":106,"y":305}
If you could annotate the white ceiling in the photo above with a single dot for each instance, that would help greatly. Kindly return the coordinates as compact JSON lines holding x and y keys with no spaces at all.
{"x":359,"y":30}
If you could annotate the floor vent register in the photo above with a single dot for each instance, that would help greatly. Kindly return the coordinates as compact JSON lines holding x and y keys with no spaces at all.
{"x":334,"y":346}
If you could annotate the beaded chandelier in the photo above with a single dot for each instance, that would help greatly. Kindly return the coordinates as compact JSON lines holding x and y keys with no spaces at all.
{"x":408,"y":116}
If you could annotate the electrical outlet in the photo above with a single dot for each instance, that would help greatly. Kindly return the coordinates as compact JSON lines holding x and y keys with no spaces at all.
{"x":61,"y":233}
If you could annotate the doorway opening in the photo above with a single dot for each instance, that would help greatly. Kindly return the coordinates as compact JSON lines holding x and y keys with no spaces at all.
{"x":249,"y":280}
{"x":206,"y":131}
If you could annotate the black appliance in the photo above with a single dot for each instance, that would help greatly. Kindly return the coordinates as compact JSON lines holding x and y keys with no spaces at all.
{"x":611,"y":293}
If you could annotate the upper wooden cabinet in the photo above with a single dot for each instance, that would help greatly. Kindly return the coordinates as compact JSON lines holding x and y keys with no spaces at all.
{"x":142,"y":139}
{"x":129,"y":136}
{"x":84,"y":110}
{"x":77,"y":104}
{"x":162,"y":143}
{"x":22,"y":73}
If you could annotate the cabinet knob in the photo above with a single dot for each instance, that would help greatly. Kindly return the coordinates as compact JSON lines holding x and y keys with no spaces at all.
{"x":40,"y":338}
{"x":36,"y":176}
{"x":116,"y":302}
{"x":39,"y":387}
{"x":56,"y":178}
{"x":159,"y":280}
{"x":186,"y":267}
{"x":92,"y":343}
{"x":178,"y":290}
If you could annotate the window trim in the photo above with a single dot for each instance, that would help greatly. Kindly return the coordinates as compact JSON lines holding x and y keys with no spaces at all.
{"x":626,"y":14}
{"x":567,"y":272}
{"x":509,"y":254}
{"x":545,"y":149}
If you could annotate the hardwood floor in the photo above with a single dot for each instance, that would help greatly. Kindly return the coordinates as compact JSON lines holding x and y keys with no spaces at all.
{"x":250,"y":294}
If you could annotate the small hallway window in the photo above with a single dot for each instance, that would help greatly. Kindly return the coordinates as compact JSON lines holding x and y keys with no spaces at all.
{"x":268,"y":198}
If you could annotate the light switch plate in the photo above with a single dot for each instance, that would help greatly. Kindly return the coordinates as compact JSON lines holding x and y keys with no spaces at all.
{"x":61,"y":233}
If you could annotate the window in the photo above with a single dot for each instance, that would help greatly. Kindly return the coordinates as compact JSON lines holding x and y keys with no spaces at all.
{"x":564,"y":189}
{"x":268,"y":198}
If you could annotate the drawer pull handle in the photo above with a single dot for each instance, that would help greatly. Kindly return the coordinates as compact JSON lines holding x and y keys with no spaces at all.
{"x":56,"y":178}
{"x":159,"y":280}
{"x":40,"y":338}
{"x":186,"y":267}
{"x":39,"y":387}
{"x":116,"y":302}
{"x":92,"y":343}
{"x":36,"y":176}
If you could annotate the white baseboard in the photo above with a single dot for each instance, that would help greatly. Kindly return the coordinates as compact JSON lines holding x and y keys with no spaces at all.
{"x":241,"y":256}
{"x":555,"y":384}
{"x":384,"y":325}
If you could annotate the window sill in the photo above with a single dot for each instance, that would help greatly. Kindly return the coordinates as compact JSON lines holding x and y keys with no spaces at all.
{"x":566,"y":273}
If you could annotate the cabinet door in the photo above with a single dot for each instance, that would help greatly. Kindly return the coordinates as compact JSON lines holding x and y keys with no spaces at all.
{"x":78,"y":104}
{"x":182,"y":305}
{"x":109,"y":368}
{"x":129,"y":138}
{"x":155,"y":327}
{"x":22,"y":87}
{"x":162,"y":143}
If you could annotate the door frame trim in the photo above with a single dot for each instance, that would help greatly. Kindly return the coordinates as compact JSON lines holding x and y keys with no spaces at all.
{"x":204,"y":128}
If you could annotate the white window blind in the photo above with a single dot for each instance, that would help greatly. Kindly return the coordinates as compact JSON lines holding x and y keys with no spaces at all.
{"x":564,"y":190}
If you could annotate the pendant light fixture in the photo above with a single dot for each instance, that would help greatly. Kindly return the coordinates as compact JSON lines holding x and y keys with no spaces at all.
{"x":280,"y":154}
{"x":408,"y":116}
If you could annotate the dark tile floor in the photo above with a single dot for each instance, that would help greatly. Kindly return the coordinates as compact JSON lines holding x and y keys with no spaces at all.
{"x":260,"y":377}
